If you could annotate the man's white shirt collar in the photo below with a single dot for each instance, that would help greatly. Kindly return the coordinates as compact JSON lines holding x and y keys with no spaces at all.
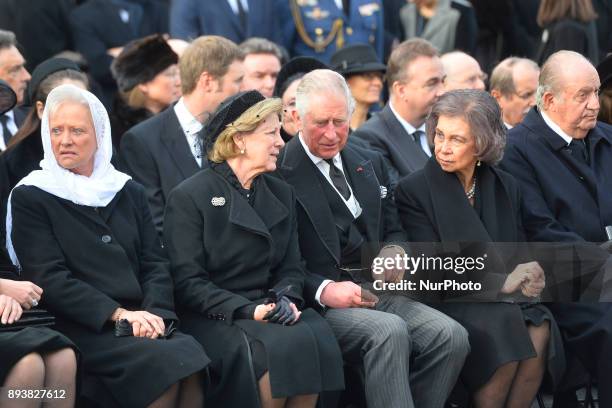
{"x":191,"y":128}
{"x":568,"y":139}
{"x":411,"y":129}
{"x":352,"y":203}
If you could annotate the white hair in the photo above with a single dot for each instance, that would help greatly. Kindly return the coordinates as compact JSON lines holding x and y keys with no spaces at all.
{"x":322,"y":81}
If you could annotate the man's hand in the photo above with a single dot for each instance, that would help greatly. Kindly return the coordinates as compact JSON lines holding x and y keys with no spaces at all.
{"x":345,"y":294}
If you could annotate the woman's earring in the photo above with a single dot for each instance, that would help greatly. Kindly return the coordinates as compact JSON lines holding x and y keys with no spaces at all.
{"x":478,"y":163}
{"x":242,"y":151}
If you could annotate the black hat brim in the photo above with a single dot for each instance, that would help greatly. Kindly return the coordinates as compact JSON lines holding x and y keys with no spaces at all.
{"x":362,"y":68}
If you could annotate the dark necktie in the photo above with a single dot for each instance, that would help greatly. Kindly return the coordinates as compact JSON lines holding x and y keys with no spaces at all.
{"x":417,"y":136}
{"x":337,"y":177}
{"x":579,"y":151}
{"x":242,"y":15}
{"x":6,"y":133}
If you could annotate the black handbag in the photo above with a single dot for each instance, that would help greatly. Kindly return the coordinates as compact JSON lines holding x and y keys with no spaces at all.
{"x":30,"y":318}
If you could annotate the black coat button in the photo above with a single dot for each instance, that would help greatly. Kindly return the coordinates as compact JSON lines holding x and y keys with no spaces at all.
{"x":106,"y":239}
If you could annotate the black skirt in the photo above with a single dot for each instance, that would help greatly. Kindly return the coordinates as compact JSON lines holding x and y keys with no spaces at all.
{"x":498,"y":335}
{"x":135,"y":371}
{"x":18,"y":344}
{"x":301,"y":359}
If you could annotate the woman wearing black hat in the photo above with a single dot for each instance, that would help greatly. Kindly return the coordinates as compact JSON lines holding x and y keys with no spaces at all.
{"x":287,"y":82}
{"x":363,"y":72}
{"x":148,"y":79}
{"x":230,"y":232}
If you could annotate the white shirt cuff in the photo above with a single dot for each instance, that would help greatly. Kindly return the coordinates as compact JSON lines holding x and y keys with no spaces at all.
{"x":320,"y":290}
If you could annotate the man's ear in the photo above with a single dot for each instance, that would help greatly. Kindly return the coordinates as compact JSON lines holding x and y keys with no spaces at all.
{"x":297,"y":119}
{"x":206,"y":82}
{"x":398,"y":88}
{"x":496,"y":94}
{"x":550,"y":102}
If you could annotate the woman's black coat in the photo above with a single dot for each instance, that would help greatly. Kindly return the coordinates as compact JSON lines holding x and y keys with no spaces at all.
{"x":90,"y":261}
{"x":225,"y":254}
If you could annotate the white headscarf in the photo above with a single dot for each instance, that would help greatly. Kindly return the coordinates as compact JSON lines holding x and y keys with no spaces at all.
{"x":96,"y":190}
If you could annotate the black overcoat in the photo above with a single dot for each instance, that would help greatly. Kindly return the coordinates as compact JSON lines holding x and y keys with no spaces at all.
{"x":90,"y":261}
{"x":156,"y":153}
{"x":433,"y":208}
{"x":226,"y":254}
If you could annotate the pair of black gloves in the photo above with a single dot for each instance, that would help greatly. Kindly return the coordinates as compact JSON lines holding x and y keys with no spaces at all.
{"x":282,"y":312}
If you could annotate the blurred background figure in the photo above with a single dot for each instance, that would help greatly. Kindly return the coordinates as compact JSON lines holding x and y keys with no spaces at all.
{"x":446,"y":24}
{"x":568,"y":25}
{"x":320,"y":28}
{"x":287,"y":82}
{"x":604,"y":69}
{"x":236,"y":20}
{"x":363,"y":71}
{"x":14,"y":73}
{"x":100,"y":29}
{"x":262,"y":62}
{"x":148,"y":80}
{"x":514,"y":82}
{"x":462,"y":72}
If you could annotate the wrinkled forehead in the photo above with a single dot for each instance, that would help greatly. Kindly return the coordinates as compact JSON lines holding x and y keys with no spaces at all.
{"x":574,"y":77}
{"x":327,"y":104}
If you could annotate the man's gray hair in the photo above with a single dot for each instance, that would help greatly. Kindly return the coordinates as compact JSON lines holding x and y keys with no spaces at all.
{"x":483,"y":116}
{"x":322,"y":81}
{"x":7,"y":39}
{"x":550,"y":76}
{"x":502,"y":77}
{"x":257,"y":45}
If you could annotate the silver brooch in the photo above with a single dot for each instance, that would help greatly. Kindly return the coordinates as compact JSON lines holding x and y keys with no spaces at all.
{"x":383,"y":191}
{"x":218,"y":201}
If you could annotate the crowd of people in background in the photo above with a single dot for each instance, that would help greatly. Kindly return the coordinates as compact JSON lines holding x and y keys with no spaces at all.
{"x":193,"y":195}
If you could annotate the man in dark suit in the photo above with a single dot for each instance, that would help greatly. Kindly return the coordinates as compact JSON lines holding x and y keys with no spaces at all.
{"x":561,"y":157}
{"x":346,"y":214}
{"x":166,"y":149}
{"x":236,"y":20}
{"x":14,"y":73}
{"x":415,"y":77}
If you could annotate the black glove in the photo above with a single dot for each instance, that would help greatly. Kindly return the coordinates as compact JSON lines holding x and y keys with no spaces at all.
{"x":282,"y":312}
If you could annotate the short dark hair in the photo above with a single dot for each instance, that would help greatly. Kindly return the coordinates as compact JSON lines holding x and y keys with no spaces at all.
{"x":404,"y":54}
{"x":482,"y":114}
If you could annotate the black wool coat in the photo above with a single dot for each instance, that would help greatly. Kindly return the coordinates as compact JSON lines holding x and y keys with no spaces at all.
{"x":90,"y":261}
{"x":226,"y":254}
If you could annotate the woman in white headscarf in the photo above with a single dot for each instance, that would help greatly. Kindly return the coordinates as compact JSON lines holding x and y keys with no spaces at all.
{"x":82,"y":231}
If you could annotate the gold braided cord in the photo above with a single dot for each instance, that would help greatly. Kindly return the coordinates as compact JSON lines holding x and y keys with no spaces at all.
{"x":319,"y":46}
